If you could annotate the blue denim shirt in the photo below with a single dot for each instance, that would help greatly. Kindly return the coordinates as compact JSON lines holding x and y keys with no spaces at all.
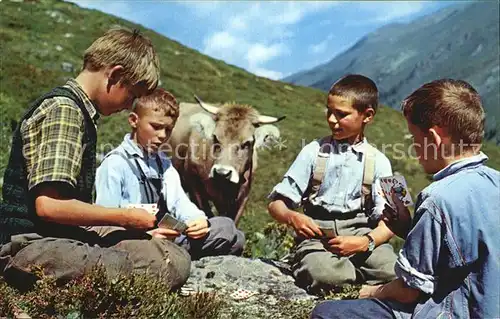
{"x":340,"y":191}
{"x":452,"y":253}
{"x":117,"y":185}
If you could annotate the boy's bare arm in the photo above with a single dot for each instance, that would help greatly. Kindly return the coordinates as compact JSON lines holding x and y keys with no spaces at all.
{"x":395,"y":290}
{"x":381,"y":234}
{"x":303,"y":225}
{"x":52,"y":206}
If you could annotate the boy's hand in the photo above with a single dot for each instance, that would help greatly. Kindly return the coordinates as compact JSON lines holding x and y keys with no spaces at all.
{"x":347,"y":245}
{"x":304,"y":225}
{"x":368,"y":291}
{"x":164,"y":233}
{"x":138,"y":218}
{"x":197,"y":228}
{"x":397,"y":220}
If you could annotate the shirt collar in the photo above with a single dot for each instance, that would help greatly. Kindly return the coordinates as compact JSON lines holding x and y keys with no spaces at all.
{"x":459,"y":164}
{"x":342,"y":147}
{"x":89,"y":105}
{"x":131,"y":147}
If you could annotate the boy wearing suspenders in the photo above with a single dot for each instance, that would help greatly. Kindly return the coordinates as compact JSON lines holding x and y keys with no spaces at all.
{"x":332,"y":180}
{"x":137,"y":172}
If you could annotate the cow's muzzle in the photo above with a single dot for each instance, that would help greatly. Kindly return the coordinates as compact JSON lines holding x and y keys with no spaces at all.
{"x":224,"y":172}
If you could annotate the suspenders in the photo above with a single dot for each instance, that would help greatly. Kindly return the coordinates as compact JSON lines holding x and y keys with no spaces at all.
{"x":150,"y":188}
{"x":368,"y":172}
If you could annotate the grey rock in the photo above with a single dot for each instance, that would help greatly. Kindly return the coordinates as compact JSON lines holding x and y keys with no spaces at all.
{"x":268,"y":283}
{"x":67,"y":67}
{"x":231,"y":273}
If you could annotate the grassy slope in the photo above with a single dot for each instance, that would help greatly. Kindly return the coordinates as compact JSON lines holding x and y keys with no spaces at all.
{"x":31,"y":65}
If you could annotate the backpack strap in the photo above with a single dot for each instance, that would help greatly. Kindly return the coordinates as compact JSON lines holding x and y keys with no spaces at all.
{"x":368,"y":178}
{"x":320,"y":166}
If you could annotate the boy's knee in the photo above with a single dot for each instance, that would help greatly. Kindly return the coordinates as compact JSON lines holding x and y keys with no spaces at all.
{"x":224,"y":229}
{"x":179,"y":268}
{"x":320,"y":270}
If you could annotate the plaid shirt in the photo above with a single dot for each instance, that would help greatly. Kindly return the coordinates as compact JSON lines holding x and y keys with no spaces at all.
{"x":53,"y":138}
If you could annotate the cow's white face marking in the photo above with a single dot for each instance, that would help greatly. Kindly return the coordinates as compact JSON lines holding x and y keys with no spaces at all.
{"x":225,"y":171}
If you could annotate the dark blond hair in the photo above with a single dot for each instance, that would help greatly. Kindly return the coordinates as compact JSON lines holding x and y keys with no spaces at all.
{"x":453,"y":105}
{"x":130,"y":49}
{"x":159,"y":101}
{"x":361,"y":90}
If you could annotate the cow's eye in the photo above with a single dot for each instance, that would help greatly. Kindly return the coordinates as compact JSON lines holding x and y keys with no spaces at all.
{"x":246,"y":145}
{"x":215,"y":139}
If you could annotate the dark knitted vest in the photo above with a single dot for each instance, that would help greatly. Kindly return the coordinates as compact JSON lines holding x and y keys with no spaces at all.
{"x":17,"y":212}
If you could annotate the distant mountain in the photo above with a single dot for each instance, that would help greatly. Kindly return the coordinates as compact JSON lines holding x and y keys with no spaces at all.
{"x":460,"y":41}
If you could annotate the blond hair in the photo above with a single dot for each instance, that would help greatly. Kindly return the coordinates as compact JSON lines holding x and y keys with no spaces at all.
{"x":160,"y":101}
{"x":130,"y":49}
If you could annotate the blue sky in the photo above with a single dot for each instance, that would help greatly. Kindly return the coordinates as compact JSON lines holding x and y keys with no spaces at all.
{"x":270,"y":39}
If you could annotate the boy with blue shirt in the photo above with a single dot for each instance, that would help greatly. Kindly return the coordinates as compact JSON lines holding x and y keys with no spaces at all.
{"x":136,"y":172}
{"x":332,"y":179}
{"x":449,"y":265}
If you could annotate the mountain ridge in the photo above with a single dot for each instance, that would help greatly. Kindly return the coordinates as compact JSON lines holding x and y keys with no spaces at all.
{"x":459,"y":41}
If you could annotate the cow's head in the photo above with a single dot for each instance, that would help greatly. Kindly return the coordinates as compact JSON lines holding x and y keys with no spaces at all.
{"x":235,"y":132}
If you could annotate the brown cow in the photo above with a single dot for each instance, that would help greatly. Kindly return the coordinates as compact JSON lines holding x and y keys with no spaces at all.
{"x":214,"y":151}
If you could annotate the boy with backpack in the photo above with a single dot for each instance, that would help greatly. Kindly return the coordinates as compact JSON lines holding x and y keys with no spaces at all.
{"x":449,"y":264}
{"x":332,"y":179}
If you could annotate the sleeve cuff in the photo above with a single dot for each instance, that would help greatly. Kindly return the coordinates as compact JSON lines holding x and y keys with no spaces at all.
{"x":412,"y":277}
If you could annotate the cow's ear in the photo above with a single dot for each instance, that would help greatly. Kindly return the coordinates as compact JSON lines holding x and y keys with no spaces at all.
{"x":266,"y":136}
{"x":203,"y":123}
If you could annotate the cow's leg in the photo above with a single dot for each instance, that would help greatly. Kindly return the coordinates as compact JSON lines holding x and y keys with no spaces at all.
{"x":198,"y":194}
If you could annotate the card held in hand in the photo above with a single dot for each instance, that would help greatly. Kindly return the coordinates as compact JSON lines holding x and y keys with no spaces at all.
{"x":396,"y":184}
{"x":169,"y":221}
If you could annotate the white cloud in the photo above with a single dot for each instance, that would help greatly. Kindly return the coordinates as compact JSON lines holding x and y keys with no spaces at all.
{"x":251,"y":34}
{"x":259,"y":53}
{"x":321,"y":46}
{"x":385,"y":12}
{"x":273,"y":75}
{"x":220,"y":41}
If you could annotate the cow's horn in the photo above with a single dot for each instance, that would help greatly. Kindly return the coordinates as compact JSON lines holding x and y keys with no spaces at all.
{"x":264,"y":119}
{"x":207,"y":107}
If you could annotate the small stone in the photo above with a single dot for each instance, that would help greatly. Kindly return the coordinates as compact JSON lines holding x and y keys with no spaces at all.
{"x":210,"y":275}
{"x":67,"y":67}
{"x":59,"y":48}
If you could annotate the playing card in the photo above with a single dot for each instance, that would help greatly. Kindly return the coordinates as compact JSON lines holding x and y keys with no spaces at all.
{"x":169,"y":221}
{"x":150,"y":208}
{"x":241,"y":294}
{"x":401,"y":189}
{"x":397,"y":185}
{"x":327,"y":228}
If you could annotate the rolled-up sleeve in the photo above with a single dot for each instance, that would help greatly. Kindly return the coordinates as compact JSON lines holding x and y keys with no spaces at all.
{"x":418,"y":260}
{"x":383,"y":168}
{"x":178,"y":204}
{"x":296,"y":179}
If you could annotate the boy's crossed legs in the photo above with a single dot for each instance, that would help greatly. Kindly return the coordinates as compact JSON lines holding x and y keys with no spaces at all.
{"x":315,"y":268}
{"x":117,"y":250}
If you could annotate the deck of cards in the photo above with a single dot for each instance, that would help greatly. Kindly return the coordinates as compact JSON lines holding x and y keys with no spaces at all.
{"x":396,"y":185}
{"x":169,"y":221}
{"x":327,"y":228}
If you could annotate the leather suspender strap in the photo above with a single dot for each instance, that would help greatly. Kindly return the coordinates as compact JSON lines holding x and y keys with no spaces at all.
{"x":320,"y":166}
{"x":368,"y":177}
